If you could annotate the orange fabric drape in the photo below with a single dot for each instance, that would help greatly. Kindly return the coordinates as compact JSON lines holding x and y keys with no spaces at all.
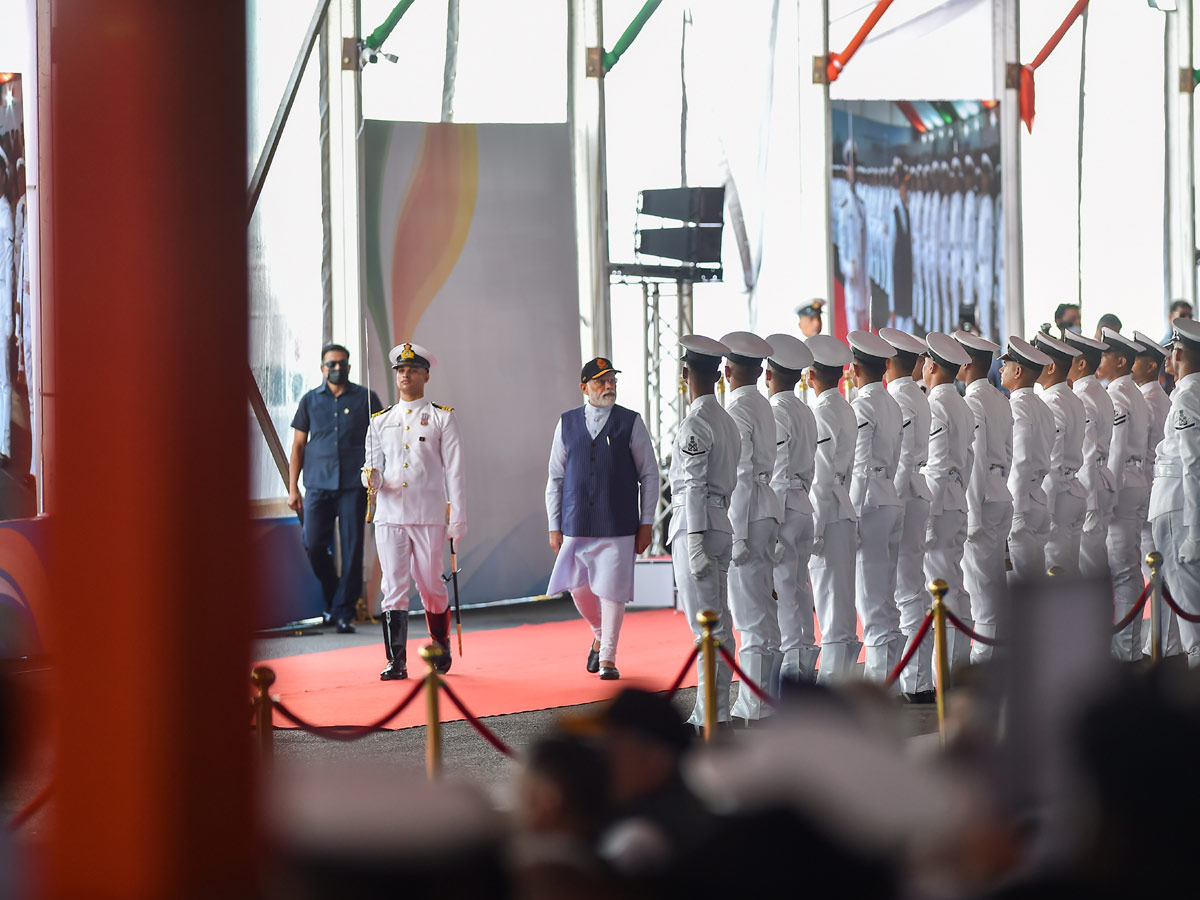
{"x":837,"y":61}
{"x":1026,"y":90}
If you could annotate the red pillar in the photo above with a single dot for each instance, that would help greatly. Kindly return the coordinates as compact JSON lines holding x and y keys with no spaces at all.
{"x":150,"y":561}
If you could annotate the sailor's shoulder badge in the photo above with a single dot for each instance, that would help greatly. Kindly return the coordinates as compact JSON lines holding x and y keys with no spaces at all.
{"x":443,"y":408}
{"x":692,"y":446}
{"x":1182,"y":420}
{"x":382,"y":411}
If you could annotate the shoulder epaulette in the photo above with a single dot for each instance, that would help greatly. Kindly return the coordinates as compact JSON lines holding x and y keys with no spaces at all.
{"x":444,"y":408}
{"x":381,"y":412}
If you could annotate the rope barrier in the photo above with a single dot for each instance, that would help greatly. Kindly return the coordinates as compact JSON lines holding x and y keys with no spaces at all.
{"x":675,"y":685}
{"x":30,"y":809}
{"x":487,"y":734}
{"x":912,"y":651}
{"x":743,"y":678}
{"x":1134,"y":612}
{"x":971,"y":632}
{"x":1186,"y":616}
{"x":347,"y":733}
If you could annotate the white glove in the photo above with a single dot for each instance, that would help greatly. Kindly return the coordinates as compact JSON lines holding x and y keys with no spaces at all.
{"x":1189,"y":551}
{"x":456,"y":531}
{"x":818,"y":547}
{"x":777,"y":553}
{"x":741,"y":552}
{"x":372,"y":479}
{"x":698,"y":562}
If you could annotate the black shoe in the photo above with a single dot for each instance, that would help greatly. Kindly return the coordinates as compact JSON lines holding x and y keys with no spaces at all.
{"x":393,"y":671}
{"x":395,"y":644}
{"x":593,"y":664}
{"x":344,"y":626}
{"x":326,"y":617}
{"x":609,"y":673}
{"x":921,"y":697}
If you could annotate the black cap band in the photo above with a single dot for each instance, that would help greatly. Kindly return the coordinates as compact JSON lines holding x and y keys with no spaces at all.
{"x":702,"y":362}
{"x":784,"y":370}
{"x":738,"y":360}
{"x":414,"y":360}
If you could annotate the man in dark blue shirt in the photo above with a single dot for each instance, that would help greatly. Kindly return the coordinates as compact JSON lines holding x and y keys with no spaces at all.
{"x":329,"y":431}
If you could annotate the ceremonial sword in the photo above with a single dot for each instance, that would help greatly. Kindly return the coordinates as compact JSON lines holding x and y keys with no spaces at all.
{"x":457,"y":607}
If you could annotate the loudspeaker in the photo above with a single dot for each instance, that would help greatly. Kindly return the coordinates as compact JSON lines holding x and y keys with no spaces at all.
{"x":689,"y":244}
{"x":704,"y":205}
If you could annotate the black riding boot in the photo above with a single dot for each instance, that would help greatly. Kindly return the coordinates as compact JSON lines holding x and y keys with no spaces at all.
{"x":395,"y":642}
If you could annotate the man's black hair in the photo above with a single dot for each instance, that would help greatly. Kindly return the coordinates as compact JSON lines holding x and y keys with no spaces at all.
{"x":1062,"y":310}
{"x":1108,"y":320}
{"x":875,"y":367}
{"x":331,"y":348}
{"x":1179,"y":304}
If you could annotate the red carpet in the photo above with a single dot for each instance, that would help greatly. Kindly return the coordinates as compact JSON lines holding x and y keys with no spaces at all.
{"x":504,"y":671}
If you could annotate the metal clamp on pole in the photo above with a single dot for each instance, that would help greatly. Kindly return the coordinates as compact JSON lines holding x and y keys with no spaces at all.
{"x":262,"y":677}
{"x":1154,"y":561}
{"x":708,"y":647}
{"x":938,"y":588}
{"x":433,"y":722}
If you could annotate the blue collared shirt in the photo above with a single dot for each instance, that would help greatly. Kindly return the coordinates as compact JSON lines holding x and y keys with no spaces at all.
{"x":337,"y":430}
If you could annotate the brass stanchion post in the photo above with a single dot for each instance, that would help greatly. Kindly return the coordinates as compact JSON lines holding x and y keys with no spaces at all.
{"x":938,"y":589}
{"x":1154,"y":561}
{"x":262,"y":677}
{"x":1056,"y":571}
{"x":708,"y":648}
{"x":433,"y":722}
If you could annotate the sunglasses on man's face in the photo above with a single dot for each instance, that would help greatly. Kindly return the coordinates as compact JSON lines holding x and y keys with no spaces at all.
{"x":336,"y":363}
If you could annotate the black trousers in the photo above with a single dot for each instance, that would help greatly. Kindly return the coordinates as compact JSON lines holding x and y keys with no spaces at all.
{"x":348,"y":508}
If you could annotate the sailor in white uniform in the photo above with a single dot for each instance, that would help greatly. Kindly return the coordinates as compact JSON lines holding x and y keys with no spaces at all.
{"x":414,"y":467}
{"x":852,"y":247}
{"x":989,"y":503}
{"x":1175,"y":496}
{"x":704,"y":461}
{"x":969,"y":236}
{"x":834,"y":520}
{"x":756,"y":514}
{"x":1147,"y":369}
{"x":601,"y":495}
{"x":1095,"y":476}
{"x":1126,"y":458}
{"x":951,"y":431}
{"x":876,"y":502}
{"x":985,"y":247}
{"x":795,"y":459}
{"x":1066,"y":497}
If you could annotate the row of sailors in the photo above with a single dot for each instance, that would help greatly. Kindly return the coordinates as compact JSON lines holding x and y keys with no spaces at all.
{"x":782,"y":507}
{"x":928,"y":236}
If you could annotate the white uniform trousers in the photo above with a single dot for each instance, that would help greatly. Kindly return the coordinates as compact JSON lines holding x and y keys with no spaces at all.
{"x":1066,"y":527}
{"x":983,"y":571}
{"x":797,"y":639}
{"x":1183,"y":579}
{"x":947,"y":538}
{"x":1093,"y":545}
{"x":756,"y":617}
{"x":912,"y":598}
{"x":1171,"y":644}
{"x":412,"y":551}
{"x":1124,"y":562}
{"x":1027,"y":544}
{"x":832,"y":573}
{"x":709,"y":592}
{"x":875,"y":588}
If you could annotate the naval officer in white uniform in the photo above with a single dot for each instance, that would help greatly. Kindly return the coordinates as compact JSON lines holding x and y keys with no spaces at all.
{"x":795,"y":459}
{"x":852,"y":247}
{"x":704,"y":460}
{"x":834,"y":520}
{"x":414,"y":466}
{"x":756,"y":515}
{"x":989,"y":503}
{"x":601,"y":495}
{"x":1095,"y":476}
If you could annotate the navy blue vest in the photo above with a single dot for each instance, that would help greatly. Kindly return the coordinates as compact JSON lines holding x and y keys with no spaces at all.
{"x":600,"y":486}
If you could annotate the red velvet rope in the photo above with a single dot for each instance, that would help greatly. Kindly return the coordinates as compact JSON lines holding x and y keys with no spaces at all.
{"x":912,"y":651}
{"x":1133,"y":613}
{"x":684,"y":671}
{"x":838,"y":61}
{"x":487,"y":733}
{"x":1186,"y":616}
{"x":733,"y":666}
{"x":1026,"y":93}
{"x":349,"y":732}
{"x":970,"y":632}
{"x":30,"y":809}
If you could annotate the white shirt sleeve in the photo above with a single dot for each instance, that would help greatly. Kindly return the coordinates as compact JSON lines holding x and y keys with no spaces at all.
{"x":647,"y":466}
{"x":554,"y":483}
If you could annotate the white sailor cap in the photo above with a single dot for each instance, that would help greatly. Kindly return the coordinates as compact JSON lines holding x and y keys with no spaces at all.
{"x":975,"y":344}
{"x":903,"y":341}
{"x":946,"y":351}
{"x":1186,"y":330}
{"x":1118,"y":341}
{"x":1024,"y":353}
{"x":1151,"y":346}
{"x":985,"y":163}
{"x":789,"y":354}
{"x":872,"y":346}
{"x":1053,"y":346}
{"x":829,"y":351}
{"x":410,"y":354}
{"x":1083,"y":343}
{"x":850,"y":148}
{"x":702,"y":352}
{"x":811,"y":308}
{"x":745,"y":348}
